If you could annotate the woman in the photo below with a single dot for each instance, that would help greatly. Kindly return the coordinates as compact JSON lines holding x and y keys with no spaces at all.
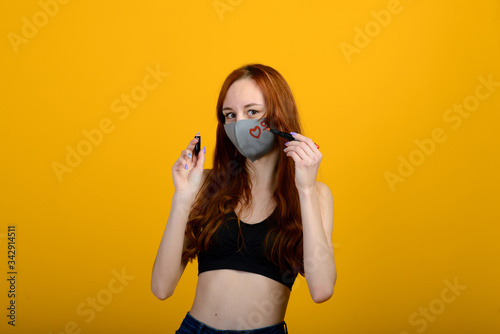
{"x":255,"y":220}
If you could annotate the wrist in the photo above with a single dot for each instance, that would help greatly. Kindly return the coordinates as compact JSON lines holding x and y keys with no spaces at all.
{"x":183,"y":199}
{"x":306,"y":191}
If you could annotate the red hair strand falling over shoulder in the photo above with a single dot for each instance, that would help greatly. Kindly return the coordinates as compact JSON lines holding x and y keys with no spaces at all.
{"x":228,"y":183}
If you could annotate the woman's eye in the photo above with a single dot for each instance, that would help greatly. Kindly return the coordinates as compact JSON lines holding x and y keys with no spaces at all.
{"x":252,"y":112}
{"x":230,"y":115}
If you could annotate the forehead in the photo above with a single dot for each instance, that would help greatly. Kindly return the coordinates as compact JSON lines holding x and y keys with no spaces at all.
{"x":243,"y":92}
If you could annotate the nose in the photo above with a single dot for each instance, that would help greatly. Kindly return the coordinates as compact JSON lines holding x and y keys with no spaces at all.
{"x":240,"y":116}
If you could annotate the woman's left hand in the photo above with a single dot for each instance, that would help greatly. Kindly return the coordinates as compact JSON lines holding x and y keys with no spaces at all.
{"x":307,"y":158}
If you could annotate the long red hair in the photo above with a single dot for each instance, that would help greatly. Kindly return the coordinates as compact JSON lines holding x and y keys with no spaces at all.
{"x":229,"y":180}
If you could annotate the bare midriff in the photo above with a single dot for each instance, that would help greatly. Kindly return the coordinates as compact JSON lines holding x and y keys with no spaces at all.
{"x":229,"y":299}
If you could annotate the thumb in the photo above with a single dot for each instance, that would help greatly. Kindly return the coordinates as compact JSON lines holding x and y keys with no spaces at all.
{"x":201,"y":159}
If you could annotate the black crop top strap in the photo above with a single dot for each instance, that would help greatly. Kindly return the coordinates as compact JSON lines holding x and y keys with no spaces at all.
{"x":227,"y":250}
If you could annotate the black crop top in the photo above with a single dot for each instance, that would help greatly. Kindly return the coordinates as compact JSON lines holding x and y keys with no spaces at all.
{"x":224,"y":254}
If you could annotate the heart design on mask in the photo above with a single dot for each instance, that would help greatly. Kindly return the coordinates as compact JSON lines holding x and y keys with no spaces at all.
{"x":263,"y":124}
{"x":255,"y":130}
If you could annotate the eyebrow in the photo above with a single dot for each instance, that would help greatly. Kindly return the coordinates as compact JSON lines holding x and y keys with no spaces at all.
{"x":246,"y":106}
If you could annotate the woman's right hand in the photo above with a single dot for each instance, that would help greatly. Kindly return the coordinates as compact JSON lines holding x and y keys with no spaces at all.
{"x":187,"y":171}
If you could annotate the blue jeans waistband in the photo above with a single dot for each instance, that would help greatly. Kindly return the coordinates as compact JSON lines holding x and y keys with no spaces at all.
{"x":190,"y":325}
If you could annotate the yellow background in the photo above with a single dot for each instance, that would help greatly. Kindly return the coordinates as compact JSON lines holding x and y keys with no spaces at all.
{"x":395,"y":248}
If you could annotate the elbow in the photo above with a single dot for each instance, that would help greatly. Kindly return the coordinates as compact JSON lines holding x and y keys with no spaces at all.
{"x":322,"y":294}
{"x":161,"y":293}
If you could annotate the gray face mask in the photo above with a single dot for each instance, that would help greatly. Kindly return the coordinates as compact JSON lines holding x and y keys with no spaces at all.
{"x":250,"y":138}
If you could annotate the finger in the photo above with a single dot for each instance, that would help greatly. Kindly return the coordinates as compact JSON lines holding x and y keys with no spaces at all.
{"x":301,"y":150}
{"x":188,"y":155}
{"x":180,"y":164}
{"x":307,"y":140}
{"x":310,"y":151}
{"x":192,"y":157}
{"x":293,"y":155}
{"x":192,"y":143}
{"x":200,"y":160}
{"x":296,"y":145}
